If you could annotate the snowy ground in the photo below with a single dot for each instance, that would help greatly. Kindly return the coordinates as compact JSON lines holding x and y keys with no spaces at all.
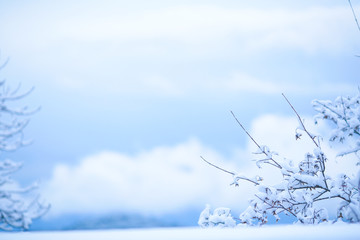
{"x":293,"y":232}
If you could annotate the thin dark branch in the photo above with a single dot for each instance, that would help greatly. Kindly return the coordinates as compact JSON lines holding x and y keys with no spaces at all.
{"x":267,"y":161}
{"x":355,"y":18}
{"x":301,"y":122}
{"x":217,"y":166}
{"x":344,"y":112}
{"x":252,"y":139}
{"x":272,"y":206}
{"x":232,"y":173}
{"x":345,"y":117}
{"x":247,"y":179}
{"x":245,"y":130}
{"x":312,"y":138}
{"x":336,"y":196}
{"x":311,"y":187}
{"x":322,"y":193}
{"x":331,"y":110}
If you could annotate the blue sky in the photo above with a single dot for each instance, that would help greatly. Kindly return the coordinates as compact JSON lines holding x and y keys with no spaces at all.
{"x":144,"y":86}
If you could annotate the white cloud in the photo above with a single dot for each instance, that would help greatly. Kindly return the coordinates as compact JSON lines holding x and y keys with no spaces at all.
{"x":204,"y":28}
{"x":153,"y":85}
{"x":173,"y":87}
{"x":168,"y":179}
{"x":111,"y":52}
{"x":240,"y":82}
{"x":252,"y":29}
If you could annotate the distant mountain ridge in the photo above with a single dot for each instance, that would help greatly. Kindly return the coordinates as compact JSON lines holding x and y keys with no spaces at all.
{"x":114,"y":221}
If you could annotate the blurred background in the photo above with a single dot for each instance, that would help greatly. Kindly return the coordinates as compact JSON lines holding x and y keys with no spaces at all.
{"x":133,"y":92}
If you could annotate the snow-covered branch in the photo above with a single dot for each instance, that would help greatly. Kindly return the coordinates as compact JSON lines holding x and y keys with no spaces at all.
{"x":305,"y":187}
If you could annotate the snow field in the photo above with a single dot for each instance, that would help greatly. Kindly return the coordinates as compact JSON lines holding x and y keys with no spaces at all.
{"x":278,"y":232}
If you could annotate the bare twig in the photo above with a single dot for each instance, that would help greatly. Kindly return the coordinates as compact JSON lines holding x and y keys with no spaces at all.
{"x":330,"y":197}
{"x":245,"y":130}
{"x":312,"y":138}
{"x":355,"y":18}
{"x":252,"y":139}
{"x":232,"y":173}
{"x":246,"y":179}
{"x":302,"y":123}
{"x":325,"y":106}
{"x":273,"y":206}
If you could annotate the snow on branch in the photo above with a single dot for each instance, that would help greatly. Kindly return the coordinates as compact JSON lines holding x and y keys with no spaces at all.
{"x":262,"y":149}
{"x":236,"y":176}
{"x":344,"y":113}
{"x":305,"y":188}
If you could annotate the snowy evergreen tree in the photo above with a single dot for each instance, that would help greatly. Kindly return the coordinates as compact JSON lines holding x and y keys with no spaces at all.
{"x":18,"y":205}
